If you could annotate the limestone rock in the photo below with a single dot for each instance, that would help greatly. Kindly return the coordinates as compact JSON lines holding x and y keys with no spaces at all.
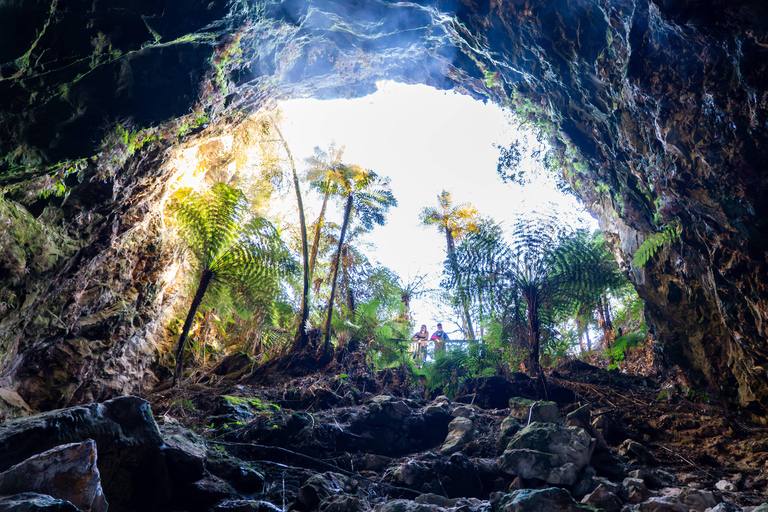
{"x":67,"y":472}
{"x":460,"y":432}
{"x":549,"y":452}
{"x":529,"y":411}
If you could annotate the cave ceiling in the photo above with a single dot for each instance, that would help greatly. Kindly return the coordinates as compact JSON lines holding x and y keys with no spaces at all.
{"x":659,"y":108}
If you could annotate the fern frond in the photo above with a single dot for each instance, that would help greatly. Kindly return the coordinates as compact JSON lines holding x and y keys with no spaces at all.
{"x":656,"y":241}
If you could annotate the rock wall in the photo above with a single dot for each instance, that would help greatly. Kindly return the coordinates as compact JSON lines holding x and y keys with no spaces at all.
{"x":659,"y":109}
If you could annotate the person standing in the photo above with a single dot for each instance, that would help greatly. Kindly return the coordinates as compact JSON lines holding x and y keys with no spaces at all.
{"x":421,"y":338}
{"x":439,"y":337}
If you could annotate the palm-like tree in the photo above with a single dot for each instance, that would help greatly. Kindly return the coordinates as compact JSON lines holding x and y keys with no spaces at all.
{"x":230,"y":249}
{"x":302,"y":339}
{"x":370,"y":198}
{"x":456,"y":221}
{"x":325,"y":174}
{"x":552,"y":271}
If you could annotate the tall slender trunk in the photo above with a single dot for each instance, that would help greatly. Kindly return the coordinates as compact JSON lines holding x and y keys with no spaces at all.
{"x":347,"y":213}
{"x":205,"y":280}
{"x":534,"y":329}
{"x":605,"y":317}
{"x":302,"y":340}
{"x":316,"y":241}
{"x":467,"y":320}
{"x":345,"y":279}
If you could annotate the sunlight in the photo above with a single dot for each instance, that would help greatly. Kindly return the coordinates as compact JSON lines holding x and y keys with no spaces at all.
{"x":426,"y":141}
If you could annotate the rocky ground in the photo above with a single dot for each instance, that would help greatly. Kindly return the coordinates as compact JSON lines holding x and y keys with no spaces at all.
{"x":355,"y":441}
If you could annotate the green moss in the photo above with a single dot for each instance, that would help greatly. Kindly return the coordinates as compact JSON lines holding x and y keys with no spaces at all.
{"x":252,"y":403}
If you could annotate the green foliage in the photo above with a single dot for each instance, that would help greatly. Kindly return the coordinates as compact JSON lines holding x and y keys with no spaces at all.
{"x":618,"y":352}
{"x":656,"y":241}
{"x":245,"y":253}
{"x":239,"y":258}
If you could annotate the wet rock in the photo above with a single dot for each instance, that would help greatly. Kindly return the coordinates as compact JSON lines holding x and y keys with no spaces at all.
{"x":529,"y":411}
{"x":320,"y":487}
{"x":460,"y":432}
{"x":602,"y":498}
{"x":548,"y":452}
{"x":531,"y":500}
{"x":636,"y":451}
{"x":32,"y":502}
{"x":67,"y":472}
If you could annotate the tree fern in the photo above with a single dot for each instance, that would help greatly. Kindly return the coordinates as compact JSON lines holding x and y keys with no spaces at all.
{"x":656,"y":241}
{"x":235,"y":256}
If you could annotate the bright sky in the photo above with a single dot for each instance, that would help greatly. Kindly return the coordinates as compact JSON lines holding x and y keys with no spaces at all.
{"x":425,"y":141}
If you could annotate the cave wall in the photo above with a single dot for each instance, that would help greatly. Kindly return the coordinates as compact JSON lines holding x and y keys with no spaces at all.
{"x":661,"y":108}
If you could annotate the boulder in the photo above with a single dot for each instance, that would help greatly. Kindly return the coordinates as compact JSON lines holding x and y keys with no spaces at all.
{"x":636,"y":451}
{"x":460,"y":431}
{"x":548,"y":452}
{"x":529,"y":411}
{"x":539,"y":500}
{"x":67,"y":472}
{"x":130,"y":463}
{"x":602,"y":498}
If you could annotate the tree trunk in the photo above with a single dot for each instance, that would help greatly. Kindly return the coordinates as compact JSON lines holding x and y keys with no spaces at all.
{"x":347,"y":213}
{"x":316,"y":241}
{"x":205,"y":280}
{"x":302,"y":340}
{"x":605,"y":317}
{"x":535,"y":334}
{"x":345,"y":278}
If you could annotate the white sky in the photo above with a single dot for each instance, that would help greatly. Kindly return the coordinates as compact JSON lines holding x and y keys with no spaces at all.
{"x":425,"y":141}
